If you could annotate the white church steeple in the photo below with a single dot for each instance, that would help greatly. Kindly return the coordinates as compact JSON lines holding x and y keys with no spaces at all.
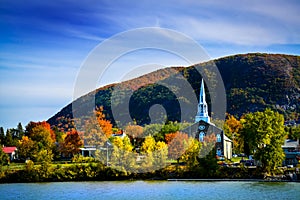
{"x":202,"y":113}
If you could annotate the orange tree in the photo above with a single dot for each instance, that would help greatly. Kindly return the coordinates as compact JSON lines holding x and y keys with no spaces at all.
{"x":177,"y":145}
{"x":232,"y":129}
{"x":97,"y":129}
{"x":39,"y":138}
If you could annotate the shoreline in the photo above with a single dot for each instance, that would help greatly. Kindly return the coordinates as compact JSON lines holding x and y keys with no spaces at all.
{"x":233,"y":180}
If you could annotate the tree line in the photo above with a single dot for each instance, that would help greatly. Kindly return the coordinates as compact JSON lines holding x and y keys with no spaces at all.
{"x":150,"y":147}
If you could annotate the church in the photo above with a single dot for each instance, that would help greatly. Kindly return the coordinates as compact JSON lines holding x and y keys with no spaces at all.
{"x":204,"y":127}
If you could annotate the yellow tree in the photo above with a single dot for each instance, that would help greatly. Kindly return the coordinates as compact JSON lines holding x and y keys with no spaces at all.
{"x":43,"y":138}
{"x":160,"y":154}
{"x":147,"y":149}
{"x":155,"y":154}
{"x":192,"y":153}
{"x":122,"y":157}
{"x":26,"y":148}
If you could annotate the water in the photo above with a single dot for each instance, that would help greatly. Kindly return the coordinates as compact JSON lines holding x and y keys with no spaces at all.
{"x":150,"y":190}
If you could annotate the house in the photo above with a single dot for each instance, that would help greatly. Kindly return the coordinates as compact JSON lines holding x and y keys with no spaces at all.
{"x":291,"y":150}
{"x":88,"y":151}
{"x":11,"y":152}
{"x":203,"y":127}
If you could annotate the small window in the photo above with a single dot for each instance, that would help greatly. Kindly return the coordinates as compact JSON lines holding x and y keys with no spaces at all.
{"x":219,"y":152}
{"x":218,"y":138}
{"x":201,"y":136}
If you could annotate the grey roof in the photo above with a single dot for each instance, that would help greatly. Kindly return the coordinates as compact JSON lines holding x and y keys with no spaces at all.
{"x":88,"y":149}
{"x":290,"y":143}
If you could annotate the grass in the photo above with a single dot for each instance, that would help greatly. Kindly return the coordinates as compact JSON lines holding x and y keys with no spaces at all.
{"x":21,"y":166}
{"x":238,"y":159}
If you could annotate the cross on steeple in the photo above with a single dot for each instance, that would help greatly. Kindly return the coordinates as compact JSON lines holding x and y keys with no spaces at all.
{"x":202,"y":113}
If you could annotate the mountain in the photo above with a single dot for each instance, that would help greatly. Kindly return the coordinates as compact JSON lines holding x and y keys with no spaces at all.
{"x":252,"y":82}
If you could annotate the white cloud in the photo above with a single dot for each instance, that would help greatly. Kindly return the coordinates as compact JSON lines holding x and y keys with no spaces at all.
{"x":232,"y":22}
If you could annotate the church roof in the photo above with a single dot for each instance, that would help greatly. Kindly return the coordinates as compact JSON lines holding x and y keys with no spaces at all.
{"x":193,"y":129}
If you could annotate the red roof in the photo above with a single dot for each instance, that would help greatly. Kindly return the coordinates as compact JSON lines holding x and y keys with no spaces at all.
{"x":9,"y":149}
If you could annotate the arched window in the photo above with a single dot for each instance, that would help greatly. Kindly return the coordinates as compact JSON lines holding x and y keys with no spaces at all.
{"x":218,"y":138}
{"x":201,"y":136}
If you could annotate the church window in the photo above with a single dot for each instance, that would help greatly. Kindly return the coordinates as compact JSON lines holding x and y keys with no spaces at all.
{"x":219,"y":152}
{"x":218,"y":138}
{"x":201,"y":136}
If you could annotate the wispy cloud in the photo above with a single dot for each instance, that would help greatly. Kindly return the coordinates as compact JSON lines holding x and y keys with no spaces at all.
{"x":233,"y":22}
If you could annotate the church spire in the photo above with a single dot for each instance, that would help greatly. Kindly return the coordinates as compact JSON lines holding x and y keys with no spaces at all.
{"x":202,"y":113}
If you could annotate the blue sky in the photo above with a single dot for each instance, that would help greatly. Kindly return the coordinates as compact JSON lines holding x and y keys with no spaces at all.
{"x":44,"y":43}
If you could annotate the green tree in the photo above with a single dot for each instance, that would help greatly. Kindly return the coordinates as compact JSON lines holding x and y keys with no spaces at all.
{"x":2,"y":136}
{"x":17,"y":133}
{"x":152,"y":129}
{"x":293,"y":132}
{"x":20,"y":130}
{"x":9,"y":141}
{"x":208,"y":164}
{"x":59,"y":135}
{"x":3,"y":157}
{"x":263,"y":134}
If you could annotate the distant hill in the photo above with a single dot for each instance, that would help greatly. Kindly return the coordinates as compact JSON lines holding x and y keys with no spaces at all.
{"x":252,"y":81}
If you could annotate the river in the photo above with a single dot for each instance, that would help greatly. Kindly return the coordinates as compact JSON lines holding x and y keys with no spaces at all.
{"x":151,"y":190}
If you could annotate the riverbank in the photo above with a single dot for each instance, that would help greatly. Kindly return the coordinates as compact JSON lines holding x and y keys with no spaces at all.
{"x":233,"y":180}
{"x":96,"y":171}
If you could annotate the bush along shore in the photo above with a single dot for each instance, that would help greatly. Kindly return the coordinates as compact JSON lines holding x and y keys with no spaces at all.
{"x":96,"y":171}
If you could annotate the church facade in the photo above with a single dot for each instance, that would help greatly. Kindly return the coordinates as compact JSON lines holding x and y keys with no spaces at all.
{"x":204,"y":127}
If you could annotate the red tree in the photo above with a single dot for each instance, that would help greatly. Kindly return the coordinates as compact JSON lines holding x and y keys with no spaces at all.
{"x":71,"y":144}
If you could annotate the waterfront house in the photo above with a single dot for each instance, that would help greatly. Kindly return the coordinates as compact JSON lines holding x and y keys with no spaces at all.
{"x":11,"y":152}
{"x":291,"y":149}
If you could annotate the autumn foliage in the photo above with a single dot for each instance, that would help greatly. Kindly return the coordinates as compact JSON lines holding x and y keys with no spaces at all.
{"x":44,"y":124}
{"x":177,"y":145}
{"x":169,"y":137}
{"x":105,"y":124}
{"x":71,"y":144}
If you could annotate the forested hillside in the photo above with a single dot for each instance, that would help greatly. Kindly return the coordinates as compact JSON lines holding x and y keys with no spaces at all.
{"x":252,"y":81}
